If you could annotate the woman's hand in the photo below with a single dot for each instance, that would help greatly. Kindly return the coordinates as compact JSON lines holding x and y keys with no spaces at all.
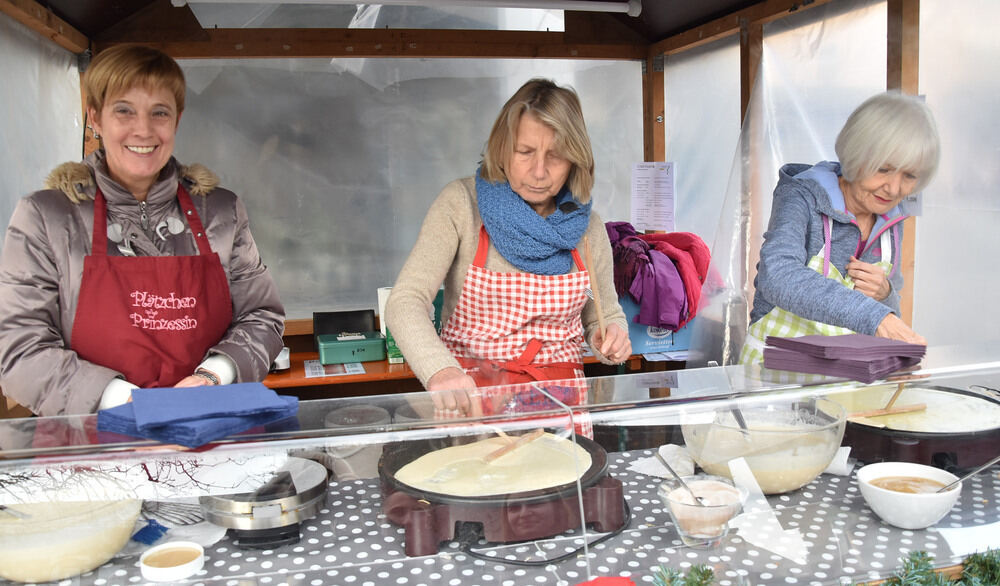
{"x":452,"y":389}
{"x":893,"y":328}
{"x":198,"y":380}
{"x":869,"y":279}
{"x":617,"y":347}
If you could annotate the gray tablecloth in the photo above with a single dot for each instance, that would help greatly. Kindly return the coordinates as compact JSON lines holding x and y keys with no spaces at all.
{"x":351,"y":543}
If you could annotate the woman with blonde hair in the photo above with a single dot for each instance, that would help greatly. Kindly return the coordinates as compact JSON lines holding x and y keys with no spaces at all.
{"x":506,"y":245}
{"x":830,"y":262}
{"x":130,"y":269}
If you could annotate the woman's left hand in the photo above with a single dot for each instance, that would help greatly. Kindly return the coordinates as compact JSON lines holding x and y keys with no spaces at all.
{"x":196,"y":380}
{"x":869,"y":279}
{"x":192,"y":381}
{"x":617,"y":347}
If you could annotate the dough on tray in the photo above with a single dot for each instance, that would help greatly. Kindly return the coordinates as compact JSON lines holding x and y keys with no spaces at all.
{"x":463,"y":470}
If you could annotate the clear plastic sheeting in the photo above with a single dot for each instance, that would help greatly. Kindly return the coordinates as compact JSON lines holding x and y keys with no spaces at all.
{"x":702,"y":130}
{"x":339,"y":160}
{"x":817,"y":66}
{"x":955,"y":281}
{"x":42,"y":119}
{"x":290,"y":15}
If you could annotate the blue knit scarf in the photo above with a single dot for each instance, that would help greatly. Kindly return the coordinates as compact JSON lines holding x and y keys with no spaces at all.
{"x":527,"y":240}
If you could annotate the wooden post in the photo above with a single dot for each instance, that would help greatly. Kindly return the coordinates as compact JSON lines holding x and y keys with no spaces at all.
{"x":751,"y":49}
{"x":752,"y":231}
{"x":653,"y":125}
{"x":902,"y":54}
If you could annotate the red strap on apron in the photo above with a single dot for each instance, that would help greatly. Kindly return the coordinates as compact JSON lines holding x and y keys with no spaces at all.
{"x":484,"y":247}
{"x":520,"y":370}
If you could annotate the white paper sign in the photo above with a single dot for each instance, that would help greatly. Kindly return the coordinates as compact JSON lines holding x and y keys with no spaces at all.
{"x":653,"y":196}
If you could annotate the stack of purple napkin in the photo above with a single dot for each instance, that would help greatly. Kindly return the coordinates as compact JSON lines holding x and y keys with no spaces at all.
{"x":855,"y":356}
{"x":194,"y":416}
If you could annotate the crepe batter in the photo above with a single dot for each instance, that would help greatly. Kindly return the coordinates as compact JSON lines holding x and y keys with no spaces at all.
{"x":463,"y":470}
{"x":946,"y":412}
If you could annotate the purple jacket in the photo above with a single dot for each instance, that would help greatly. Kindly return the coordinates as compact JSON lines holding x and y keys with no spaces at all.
{"x":649,"y":276}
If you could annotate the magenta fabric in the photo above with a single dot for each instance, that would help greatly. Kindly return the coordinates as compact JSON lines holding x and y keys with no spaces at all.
{"x":650,"y":277}
{"x":691,"y":256}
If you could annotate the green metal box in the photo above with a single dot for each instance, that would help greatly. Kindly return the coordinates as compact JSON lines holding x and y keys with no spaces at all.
{"x":350,"y":347}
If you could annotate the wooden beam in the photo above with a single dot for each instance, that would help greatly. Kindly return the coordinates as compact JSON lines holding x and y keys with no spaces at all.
{"x":902,"y":73}
{"x":760,"y":13}
{"x":44,"y":22}
{"x":653,"y":124}
{"x":328,"y":43}
{"x":903,"y":49}
{"x":159,"y":21}
{"x":751,"y":50}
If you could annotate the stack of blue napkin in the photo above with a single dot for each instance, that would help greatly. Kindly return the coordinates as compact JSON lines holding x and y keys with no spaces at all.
{"x":855,"y":356}
{"x":194,"y":416}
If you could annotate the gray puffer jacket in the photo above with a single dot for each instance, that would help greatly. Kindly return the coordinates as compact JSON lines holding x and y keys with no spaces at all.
{"x":41,"y":267}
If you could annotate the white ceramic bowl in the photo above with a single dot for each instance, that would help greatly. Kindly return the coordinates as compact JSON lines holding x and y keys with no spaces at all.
{"x":902,"y":509}
{"x":172,"y":561}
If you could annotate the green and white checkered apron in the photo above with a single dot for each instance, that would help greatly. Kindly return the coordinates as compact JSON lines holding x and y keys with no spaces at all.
{"x":783,"y":323}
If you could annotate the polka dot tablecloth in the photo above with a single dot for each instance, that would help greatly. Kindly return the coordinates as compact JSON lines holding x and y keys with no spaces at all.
{"x":351,"y":543}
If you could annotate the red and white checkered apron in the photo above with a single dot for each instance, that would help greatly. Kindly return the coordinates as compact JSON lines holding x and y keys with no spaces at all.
{"x":511,"y":328}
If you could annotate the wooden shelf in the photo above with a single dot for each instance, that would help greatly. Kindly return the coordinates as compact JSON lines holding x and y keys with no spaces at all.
{"x":295,"y":376}
{"x":378,"y":370}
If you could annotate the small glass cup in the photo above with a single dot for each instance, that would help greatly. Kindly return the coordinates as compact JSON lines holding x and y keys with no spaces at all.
{"x":702,"y":527}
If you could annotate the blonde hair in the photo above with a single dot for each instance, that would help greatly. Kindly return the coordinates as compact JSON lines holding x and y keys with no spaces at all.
{"x":889,"y":129}
{"x":559,"y":109}
{"x":116,"y":70}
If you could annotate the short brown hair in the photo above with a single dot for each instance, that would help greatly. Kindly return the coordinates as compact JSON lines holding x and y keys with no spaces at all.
{"x":559,"y":109}
{"x":116,"y":70}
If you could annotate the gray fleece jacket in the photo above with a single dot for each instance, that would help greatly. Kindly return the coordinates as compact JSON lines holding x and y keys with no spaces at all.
{"x":795,"y":234}
{"x":42,"y":264}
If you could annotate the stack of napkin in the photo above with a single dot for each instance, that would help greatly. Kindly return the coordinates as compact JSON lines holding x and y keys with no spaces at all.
{"x":194,"y":416}
{"x":855,"y":356}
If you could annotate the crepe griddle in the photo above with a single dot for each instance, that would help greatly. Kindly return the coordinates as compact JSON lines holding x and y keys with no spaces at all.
{"x":957,"y":452}
{"x":429,"y":518}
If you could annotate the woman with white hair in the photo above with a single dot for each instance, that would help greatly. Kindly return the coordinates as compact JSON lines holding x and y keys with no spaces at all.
{"x":830,"y":262}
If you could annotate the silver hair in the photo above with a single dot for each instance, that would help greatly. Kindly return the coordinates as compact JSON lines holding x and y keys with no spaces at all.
{"x":889,"y":129}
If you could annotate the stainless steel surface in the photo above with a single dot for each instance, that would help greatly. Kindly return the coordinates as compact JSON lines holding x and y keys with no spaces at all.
{"x":246,"y":511}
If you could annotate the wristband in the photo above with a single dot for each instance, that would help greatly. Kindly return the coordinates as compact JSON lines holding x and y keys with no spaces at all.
{"x":208,"y":375}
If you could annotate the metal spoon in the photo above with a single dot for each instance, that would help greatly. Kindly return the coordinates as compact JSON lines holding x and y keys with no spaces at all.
{"x":969,"y":475}
{"x":663,"y":460}
{"x":14,"y":512}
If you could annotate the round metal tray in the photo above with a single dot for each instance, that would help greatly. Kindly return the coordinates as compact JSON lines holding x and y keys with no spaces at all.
{"x":249,"y":511}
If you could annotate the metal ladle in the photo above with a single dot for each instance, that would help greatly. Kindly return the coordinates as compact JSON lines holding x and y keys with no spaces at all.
{"x":969,"y":475}
{"x":663,"y":461}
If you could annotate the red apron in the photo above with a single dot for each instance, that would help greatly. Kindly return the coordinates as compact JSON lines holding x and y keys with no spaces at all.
{"x":152,"y":318}
{"x":512,"y":328}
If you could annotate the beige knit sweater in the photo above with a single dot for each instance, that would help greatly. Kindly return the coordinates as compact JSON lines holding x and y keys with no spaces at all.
{"x":443,"y":252}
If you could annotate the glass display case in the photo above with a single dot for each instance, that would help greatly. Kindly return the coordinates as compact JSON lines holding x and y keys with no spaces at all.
{"x":548,"y":483}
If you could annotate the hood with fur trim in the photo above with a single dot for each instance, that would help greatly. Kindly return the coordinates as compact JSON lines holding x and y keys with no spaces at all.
{"x":76,"y":180}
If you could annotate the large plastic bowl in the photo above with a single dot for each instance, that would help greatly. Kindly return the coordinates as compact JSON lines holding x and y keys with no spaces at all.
{"x":903,"y":509}
{"x":58,"y":540}
{"x":786,"y":444}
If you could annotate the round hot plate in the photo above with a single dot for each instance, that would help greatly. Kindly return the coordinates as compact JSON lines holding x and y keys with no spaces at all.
{"x":395,"y":456}
{"x":430,"y":518}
